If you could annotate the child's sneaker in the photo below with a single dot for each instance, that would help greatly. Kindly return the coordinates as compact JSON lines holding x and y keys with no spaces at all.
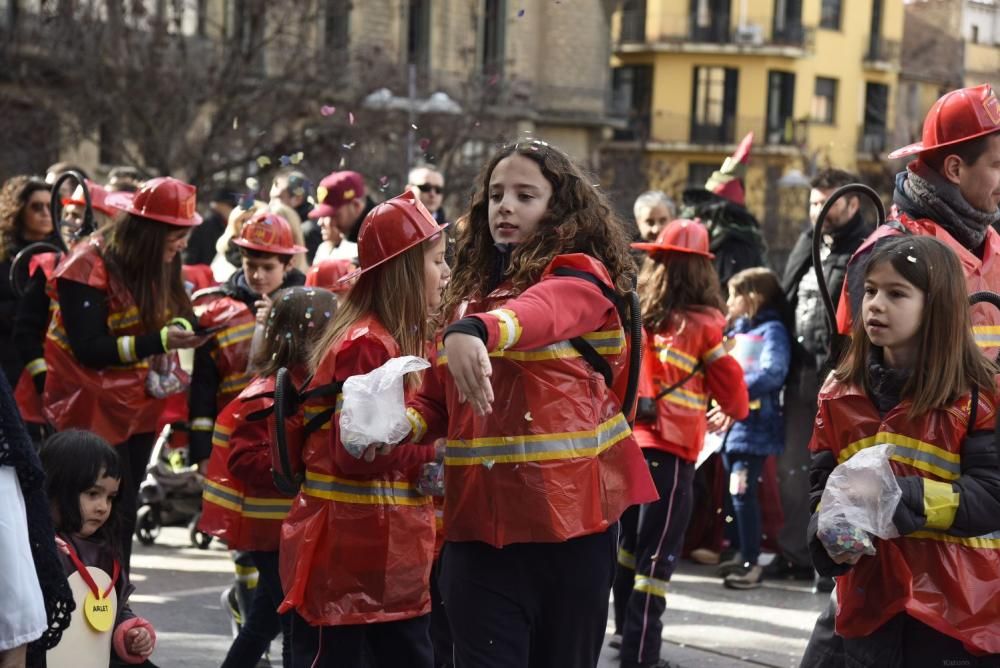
{"x":749,"y":579}
{"x":229,"y":604}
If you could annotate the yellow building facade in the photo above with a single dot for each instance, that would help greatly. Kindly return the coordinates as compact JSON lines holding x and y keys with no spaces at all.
{"x":814,"y":81}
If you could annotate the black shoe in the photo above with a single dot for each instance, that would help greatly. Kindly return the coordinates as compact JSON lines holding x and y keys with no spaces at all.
{"x":732,"y":565}
{"x":781,"y":568}
{"x":823,"y":585}
{"x":616,"y":641}
{"x":750,"y":579}
{"x":661,"y":663}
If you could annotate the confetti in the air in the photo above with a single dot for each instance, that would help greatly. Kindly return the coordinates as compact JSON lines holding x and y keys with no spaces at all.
{"x":327,"y":111}
{"x":263,"y":161}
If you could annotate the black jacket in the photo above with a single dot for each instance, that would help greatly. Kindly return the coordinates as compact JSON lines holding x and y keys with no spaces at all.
{"x":812,"y":338}
{"x":734,"y":233}
{"x":352,"y":236}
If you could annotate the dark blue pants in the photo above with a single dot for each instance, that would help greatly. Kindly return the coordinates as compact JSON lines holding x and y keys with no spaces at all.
{"x":903,"y":642}
{"x":746,"y":506}
{"x":652,"y":538}
{"x":529,"y":605}
{"x":402,"y":644}
{"x":262,"y":621}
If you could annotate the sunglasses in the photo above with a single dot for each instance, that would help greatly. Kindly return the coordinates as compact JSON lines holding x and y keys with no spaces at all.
{"x":428,"y":188}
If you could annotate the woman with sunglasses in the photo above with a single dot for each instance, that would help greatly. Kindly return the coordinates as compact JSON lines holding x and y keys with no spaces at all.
{"x":24,"y":219}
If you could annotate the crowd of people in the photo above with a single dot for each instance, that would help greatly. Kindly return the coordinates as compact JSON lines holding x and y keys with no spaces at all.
{"x":603,"y":398}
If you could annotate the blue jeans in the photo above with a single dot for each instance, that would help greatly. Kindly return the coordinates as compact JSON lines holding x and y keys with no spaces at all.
{"x":746,"y":506}
{"x":263,"y":621}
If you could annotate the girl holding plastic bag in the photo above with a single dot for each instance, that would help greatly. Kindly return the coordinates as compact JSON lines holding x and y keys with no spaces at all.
{"x":356,"y":548}
{"x":540,"y":462}
{"x":914,"y":379}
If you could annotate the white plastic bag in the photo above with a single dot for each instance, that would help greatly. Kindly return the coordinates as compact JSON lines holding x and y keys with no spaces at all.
{"x":859,"y":499}
{"x":373,"y":409}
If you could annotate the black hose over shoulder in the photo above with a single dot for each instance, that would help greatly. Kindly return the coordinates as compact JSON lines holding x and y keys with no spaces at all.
{"x":836,"y":338}
{"x":635,"y":353}
{"x":285,"y":406}
{"x":18,"y":274}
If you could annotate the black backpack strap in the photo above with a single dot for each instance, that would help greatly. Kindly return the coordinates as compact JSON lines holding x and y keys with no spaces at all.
{"x":318,"y":420}
{"x":582,"y":346}
{"x":697,"y":367}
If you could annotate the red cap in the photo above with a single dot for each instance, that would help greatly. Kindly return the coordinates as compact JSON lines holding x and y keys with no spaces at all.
{"x":957,"y":116}
{"x":98,"y":198}
{"x":682,"y":236}
{"x":336,"y":190}
{"x":269,"y":233}
{"x":164,"y":199}
{"x":327,"y":274}
{"x":392,"y":228}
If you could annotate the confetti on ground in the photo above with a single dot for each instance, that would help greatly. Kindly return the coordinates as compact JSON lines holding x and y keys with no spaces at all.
{"x":263,"y":161}
{"x":327,"y":111}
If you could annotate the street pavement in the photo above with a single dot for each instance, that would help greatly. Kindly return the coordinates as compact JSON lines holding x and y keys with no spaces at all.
{"x":705,"y":625}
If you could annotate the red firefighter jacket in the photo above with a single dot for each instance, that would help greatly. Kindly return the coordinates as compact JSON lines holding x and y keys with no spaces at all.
{"x":29,"y":402}
{"x":980,"y":274}
{"x":220,"y":371}
{"x":694,"y":336}
{"x":556,"y":458}
{"x":357,"y":546}
{"x":944,"y":580}
{"x":241,"y":505}
{"x":111,"y":402}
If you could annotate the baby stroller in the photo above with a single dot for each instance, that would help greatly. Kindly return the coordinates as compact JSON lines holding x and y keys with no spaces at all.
{"x":171,"y":493}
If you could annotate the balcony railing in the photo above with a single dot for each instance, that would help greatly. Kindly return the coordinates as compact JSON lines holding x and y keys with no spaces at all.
{"x":881,"y":50}
{"x":684,"y":28}
{"x":679,"y":129}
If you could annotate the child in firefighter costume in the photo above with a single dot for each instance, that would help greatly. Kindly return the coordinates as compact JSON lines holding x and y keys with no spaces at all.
{"x":267,"y":249}
{"x":242,"y":506}
{"x":685,"y":364}
{"x":913,"y":378}
{"x":540,"y":462}
{"x":357,"y":546}
{"x":121,"y":306}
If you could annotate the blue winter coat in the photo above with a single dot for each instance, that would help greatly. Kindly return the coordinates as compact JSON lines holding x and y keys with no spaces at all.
{"x":764,"y":351}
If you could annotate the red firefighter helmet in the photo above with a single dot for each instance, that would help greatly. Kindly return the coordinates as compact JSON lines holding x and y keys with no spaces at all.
{"x":327,"y":274}
{"x":164,"y":199}
{"x":268,"y":233}
{"x":392,"y":228}
{"x":957,"y":116}
{"x":681,"y":235}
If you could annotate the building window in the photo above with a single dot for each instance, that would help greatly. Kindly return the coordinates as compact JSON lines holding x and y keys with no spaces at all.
{"x":337,"y":24}
{"x":633,"y":26}
{"x":713,"y":104}
{"x":632,"y":98}
{"x":824,"y":103}
{"x":974,"y":38}
{"x":780,"y":107}
{"x":492,"y":52}
{"x":829,"y":14}
{"x":873,"y":133}
{"x":709,"y":21}
{"x":418,"y":34}
{"x":700,"y":172}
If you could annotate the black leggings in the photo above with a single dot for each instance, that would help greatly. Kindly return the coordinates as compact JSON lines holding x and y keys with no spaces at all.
{"x":134,"y":455}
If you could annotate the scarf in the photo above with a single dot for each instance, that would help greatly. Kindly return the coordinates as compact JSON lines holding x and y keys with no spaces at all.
{"x":923,"y":193}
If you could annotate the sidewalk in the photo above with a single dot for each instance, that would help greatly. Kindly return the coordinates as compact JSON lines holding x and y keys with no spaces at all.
{"x":708,"y":626}
{"x":705,"y":625}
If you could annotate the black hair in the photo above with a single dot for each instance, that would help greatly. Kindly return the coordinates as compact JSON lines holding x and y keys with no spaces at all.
{"x":74,"y":460}
{"x":831,"y":179}
{"x":968,"y":152}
